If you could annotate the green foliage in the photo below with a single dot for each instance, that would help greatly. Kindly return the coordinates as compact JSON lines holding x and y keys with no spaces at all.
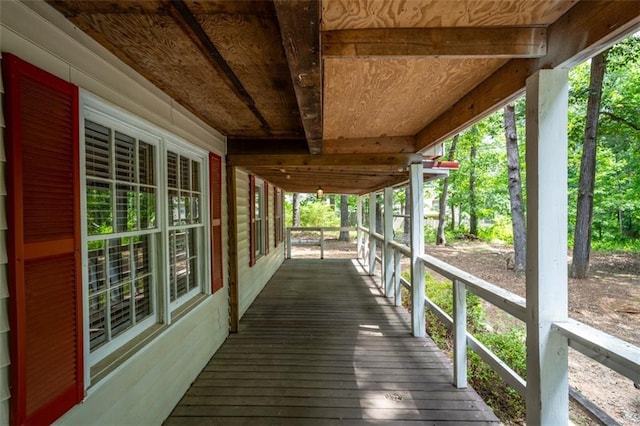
{"x":509,"y":346}
{"x":500,"y":231}
{"x":318,"y":214}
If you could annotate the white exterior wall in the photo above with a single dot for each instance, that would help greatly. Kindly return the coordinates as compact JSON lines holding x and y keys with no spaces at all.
{"x":144,"y":388}
{"x":252,"y":279}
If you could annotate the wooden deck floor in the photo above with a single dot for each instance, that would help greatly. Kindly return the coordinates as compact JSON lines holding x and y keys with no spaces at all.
{"x":322,"y":346}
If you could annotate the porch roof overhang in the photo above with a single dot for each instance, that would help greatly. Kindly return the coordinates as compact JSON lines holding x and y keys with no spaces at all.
{"x":344,"y":94}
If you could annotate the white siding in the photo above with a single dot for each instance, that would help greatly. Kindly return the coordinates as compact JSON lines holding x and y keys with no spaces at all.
{"x":144,"y":388}
{"x":251,"y":280}
{"x":4,"y":292}
{"x":148,"y":386}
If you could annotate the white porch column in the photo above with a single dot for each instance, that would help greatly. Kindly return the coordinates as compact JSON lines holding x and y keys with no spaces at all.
{"x":372,"y":230}
{"x":547,"y":385}
{"x":388,"y":237}
{"x":358,"y":226}
{"x":416,"y":177}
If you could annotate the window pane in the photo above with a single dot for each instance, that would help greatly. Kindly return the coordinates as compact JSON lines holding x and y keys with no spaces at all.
{"x":175,"y":211}
{"x":99,"y":217}
{"x":185,"y":173}
{"x":146,"y":163}
{"x":125,"y":157}
{"x":126,"y":208}
{"x":147,"y":208}
{"x":119,"y":261}
{"x":97,"y":265}
{"x":97,"y":320}
{"x":97,"y":153}
{"x":143,"y":298}
{"x":185,"y":206}
{"x":195,"y":208}
{"x":172,"y":169}
{"x":120,"y":309}
{"x":195,"y":176}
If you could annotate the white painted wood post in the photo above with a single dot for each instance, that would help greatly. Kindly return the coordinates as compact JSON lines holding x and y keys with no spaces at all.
{"x":547,"y":99}
{"x":397,"y":273}
{"x":321,"y":243}
{"x":459,"y":335}
{"x":387,"y":251}
{"x":288,"y":243}
{"x":372,"y":230}
{"x":358,"y":225}
{"x":417,"y":249}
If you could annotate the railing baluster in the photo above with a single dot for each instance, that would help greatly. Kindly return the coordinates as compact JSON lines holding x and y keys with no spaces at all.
{"x":321,"y":243}
{"x":397,"y":273}
{"x":288,"y":243}
{"x":459,"y":335}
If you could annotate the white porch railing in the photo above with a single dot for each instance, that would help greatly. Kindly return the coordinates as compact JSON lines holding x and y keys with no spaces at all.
{"x":604,"y":348}
{"x":319,"y":242}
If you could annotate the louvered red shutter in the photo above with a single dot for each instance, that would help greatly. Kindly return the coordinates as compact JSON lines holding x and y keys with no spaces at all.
{"x":266,"y":218}
{"x":252,"y":220}
{"x":215,"y":188}
{"x":276,"y":236}
{"x":281,"y":216}
{"x":44,"y":243}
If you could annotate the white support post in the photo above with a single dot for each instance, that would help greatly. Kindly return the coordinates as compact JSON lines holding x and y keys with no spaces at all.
{"x":547,"y":366}
{"x":288,"y":243}
{"x":372,"y":230}
{"x":459,"y":335}
{"x":397,"y":273}
{"x":417,"y":249}
{"x":388,"y":237}
{"x":358,"y":226}
{"x":321,"y":243}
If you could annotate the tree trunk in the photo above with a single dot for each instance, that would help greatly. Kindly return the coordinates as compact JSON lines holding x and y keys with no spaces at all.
{"x":515,"y":191}
{"x":296,"y":209}
{"x":473,"y":216}
{"x":440,"y":239}
{"x":584,"y":210}
{"x":453,"y":217}
{"x":344,"y":218}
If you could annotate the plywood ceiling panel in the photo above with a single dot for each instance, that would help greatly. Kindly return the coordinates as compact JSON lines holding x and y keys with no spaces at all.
{"x":252,"y":47}
{"x":350,"y":14}
{"x":394,"y":96}
{"x":147,"y":36}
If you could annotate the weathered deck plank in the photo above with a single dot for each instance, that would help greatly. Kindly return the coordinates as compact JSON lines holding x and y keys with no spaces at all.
{"x":322,"y":346}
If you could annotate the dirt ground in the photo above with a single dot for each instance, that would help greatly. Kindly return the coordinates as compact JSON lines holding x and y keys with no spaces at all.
{"x":609,"y":300}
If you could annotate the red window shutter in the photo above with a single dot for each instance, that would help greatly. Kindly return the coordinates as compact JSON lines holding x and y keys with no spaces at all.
{"x":44,"y":243}
{"x":282,"y":216}
{"x":266,"y":218}
{"x":215,"y":189}
{"x":252,"y":220}
{"x":276,"y":235}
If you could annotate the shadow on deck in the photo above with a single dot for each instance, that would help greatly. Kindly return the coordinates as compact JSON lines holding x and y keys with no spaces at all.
{"x":322,"y":346}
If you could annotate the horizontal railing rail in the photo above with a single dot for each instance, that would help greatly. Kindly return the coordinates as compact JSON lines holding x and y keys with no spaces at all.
{"x":320,"y":242}
{"x":608,"y":350}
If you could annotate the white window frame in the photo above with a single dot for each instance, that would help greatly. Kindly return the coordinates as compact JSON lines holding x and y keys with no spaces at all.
{"x":203,"y":271}
{"x":97,"y":110}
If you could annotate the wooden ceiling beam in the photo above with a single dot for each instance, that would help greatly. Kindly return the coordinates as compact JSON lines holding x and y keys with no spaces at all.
{"x":381,"y":145}
{"x":192,"y":28}
{"x":266,"y":146}
{"x":583,"y":31}
{"x":501,"y":42}
{"x":355,"y":160}
{"x":299,"y":22}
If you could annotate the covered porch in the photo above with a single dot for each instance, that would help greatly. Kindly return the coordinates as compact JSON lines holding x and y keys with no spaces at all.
{"x":323,"y":345}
